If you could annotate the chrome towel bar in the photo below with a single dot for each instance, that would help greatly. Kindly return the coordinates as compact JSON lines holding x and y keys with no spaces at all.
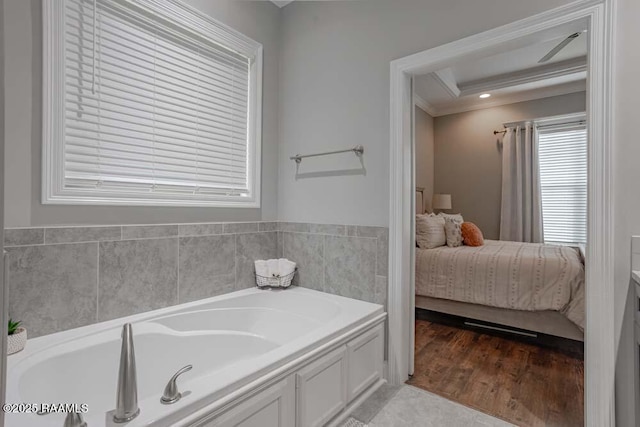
{"x":358,"y":149}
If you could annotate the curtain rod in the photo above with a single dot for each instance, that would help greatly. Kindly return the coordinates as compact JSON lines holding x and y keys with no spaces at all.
{"x":508,"y":126}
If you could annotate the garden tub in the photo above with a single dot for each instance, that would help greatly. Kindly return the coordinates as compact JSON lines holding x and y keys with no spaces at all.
{"x":235,"y":342}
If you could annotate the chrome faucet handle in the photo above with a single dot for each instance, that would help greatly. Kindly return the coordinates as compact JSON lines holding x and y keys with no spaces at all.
{"x":171,"y":393}
{"x":74,"y":419}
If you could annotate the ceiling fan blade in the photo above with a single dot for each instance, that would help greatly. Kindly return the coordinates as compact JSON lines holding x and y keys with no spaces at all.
{"x":553,"y":52}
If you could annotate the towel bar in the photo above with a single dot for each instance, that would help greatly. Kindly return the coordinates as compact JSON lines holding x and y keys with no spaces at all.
{"x":358,"y":149}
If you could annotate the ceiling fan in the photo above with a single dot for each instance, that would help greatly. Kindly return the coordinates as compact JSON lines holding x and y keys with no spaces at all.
{"x":553,"y":52}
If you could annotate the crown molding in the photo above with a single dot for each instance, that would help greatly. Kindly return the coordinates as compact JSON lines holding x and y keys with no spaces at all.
{"x":563,"y":89}
{"x":447,"y":81}
{"x":424,"y":105}
{"x":531,"y":75}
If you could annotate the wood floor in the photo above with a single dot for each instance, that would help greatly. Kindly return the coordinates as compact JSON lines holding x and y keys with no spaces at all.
{"x":523,"y":384}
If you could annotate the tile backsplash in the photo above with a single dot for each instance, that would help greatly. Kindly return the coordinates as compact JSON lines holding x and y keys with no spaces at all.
{"x":345,"y":260}
{"x":66,"y":277}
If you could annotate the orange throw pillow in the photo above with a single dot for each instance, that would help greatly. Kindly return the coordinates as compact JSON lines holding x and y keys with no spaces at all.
{"x":471,"y":234}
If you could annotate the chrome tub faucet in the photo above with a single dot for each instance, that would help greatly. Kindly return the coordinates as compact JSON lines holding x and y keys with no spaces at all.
{"x":127,"y":394}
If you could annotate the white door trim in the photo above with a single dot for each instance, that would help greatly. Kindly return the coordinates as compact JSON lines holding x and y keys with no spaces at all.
{"x":599,"y":335}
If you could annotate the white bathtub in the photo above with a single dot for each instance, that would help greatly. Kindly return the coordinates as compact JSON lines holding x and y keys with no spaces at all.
{"x":235,"y":342}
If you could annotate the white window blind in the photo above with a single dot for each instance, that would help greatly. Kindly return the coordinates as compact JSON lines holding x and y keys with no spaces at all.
{"x":563,"y":182}
{"x":154,"y":112}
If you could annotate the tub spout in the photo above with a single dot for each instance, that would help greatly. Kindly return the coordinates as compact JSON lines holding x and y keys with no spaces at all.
{"x":127,"y":395}
{"x":74,"y":419}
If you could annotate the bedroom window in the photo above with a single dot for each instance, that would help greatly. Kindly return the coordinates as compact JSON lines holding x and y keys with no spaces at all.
{"x":562,"y":151}
{"x":148,"y":103}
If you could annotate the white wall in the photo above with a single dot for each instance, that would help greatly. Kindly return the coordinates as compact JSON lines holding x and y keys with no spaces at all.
{"x":626,"y":170}
{"x":18,"y":95}
{"x":334,"y":92}
{"x":468,"y":156}
{"x":424,"y":142}
{"x":257,"y":19}
{"x":3,"y":291}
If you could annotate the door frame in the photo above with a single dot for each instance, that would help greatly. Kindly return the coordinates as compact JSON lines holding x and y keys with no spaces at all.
{"x":599,"y":330}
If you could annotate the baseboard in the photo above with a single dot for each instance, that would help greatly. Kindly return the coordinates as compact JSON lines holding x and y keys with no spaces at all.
{"x":567,"y":346}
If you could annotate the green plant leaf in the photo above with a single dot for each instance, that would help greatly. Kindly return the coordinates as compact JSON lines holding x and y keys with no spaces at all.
{"x":13,"y":326}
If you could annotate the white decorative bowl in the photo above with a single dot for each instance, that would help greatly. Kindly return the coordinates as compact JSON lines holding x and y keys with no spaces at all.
{"x":17,"y":341}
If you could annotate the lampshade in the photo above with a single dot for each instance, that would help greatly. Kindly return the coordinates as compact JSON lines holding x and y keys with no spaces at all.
{"x":441,"y":201}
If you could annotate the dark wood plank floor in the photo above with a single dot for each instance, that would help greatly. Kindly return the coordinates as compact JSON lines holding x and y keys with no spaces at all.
{"x":521,"y":383}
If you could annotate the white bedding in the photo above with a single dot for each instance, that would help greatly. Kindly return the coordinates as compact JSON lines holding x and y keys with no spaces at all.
{"x":514,"y":275}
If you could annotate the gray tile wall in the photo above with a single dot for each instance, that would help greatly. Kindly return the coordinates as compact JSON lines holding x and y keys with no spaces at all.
{"x":66,"y":277}
{"x":344,"y":260}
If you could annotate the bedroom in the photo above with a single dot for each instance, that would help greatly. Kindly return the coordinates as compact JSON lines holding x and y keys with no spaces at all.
{"x":501,"y":179}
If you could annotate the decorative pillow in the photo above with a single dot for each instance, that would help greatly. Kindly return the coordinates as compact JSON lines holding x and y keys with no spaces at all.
{"x":453,"y":231}
{"x":455,"y":216}
{"x":471,"y":234}
{"x":430,"y":231}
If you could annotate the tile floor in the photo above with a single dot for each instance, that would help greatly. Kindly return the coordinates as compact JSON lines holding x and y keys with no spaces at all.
{"x":408,"y":406}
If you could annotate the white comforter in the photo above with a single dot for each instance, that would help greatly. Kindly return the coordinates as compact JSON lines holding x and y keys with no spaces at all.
{"x":519,"y":276}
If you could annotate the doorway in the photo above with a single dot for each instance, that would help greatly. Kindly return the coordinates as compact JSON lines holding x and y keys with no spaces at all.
{"x":599,"y":345}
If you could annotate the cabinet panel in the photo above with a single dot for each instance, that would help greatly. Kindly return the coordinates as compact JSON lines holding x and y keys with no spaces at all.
{"x":315,"y":393}
{"x":273,"y":407}
{"x":322,"y":389}
{"x":365,"y":361}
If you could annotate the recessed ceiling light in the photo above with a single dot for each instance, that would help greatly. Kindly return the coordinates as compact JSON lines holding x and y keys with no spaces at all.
{"x":485,"y":95}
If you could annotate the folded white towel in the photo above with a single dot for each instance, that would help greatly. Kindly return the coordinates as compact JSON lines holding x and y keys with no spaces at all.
{"x":274,"y":268}
{"x":262,"y":269}
{"x":286,"y":267}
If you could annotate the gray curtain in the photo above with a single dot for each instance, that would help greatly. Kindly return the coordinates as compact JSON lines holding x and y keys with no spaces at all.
{"x":521,"y":212}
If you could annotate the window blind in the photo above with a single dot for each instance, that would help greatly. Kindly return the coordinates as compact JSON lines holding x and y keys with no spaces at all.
{"x":563,"y":182}
{"x":150,"y":108}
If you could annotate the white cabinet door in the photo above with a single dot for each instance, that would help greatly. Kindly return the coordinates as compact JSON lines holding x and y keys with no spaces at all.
{"x":273,"y":407}
{"x":365,"y":360}
{"x":322,"y":389}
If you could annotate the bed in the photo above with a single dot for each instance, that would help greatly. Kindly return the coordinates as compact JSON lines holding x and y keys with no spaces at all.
{"x":536,"y":287}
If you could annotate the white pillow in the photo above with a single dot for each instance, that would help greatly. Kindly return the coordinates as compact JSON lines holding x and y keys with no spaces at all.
{"x":453,"y":230}
{"x":430,"y":231}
